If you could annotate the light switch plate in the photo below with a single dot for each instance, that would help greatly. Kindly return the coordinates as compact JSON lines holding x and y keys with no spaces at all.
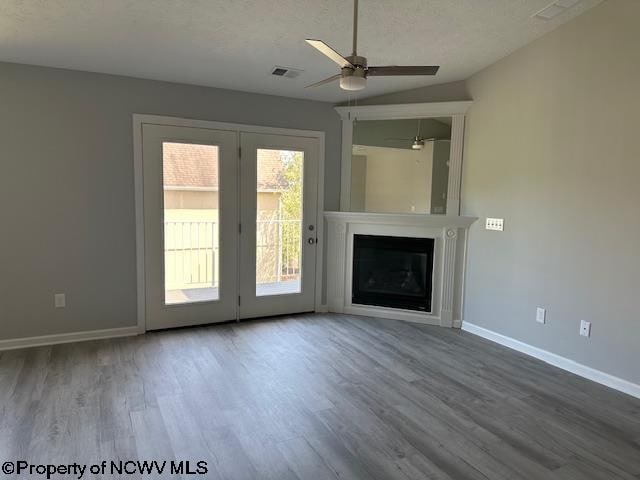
{"x":495,"y":224}
{"x":541,"y":315}
{"x":585,"y":328}
{"x":60,"y":300}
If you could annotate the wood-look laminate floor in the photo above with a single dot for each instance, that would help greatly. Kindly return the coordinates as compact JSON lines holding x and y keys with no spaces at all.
{"x":315,"y":397}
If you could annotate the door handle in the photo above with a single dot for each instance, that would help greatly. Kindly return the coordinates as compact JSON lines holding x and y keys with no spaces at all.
{"x":312,"y":240}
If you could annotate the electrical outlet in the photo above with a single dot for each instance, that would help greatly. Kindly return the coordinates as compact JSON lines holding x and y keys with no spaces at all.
{"x":541,"y":315}
{"x":60,"y":300}
{"x":495,"y":224}
{"x":585,"y":328}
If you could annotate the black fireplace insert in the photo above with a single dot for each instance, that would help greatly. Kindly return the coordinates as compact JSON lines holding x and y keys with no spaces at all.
{"x":393,"y":272}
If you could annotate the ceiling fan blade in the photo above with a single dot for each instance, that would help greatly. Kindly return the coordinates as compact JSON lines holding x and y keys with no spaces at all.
{"x":326,"y":80}
{"x":395,"y":70}
{"x":329,"y":52}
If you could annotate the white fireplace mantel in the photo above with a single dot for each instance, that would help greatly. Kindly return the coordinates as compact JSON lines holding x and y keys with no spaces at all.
{"x":408,"y":219}
{"x":450,"y":235}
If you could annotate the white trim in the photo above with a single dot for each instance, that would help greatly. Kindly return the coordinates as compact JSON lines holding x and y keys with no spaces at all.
{"x":393,"y":314}
{"x":213,"y":125}
{"x":455,"y":164}
{"x":403,"y":219}
{"x":67,"y":338}
{"x":455,"y":110}
{"x":139,"y":205}
{"x":564,"y":363}
{"x":140,"y":119}
{"x":345,"y":165}
{"x":320,"y":226}
{"x":403,"y":110}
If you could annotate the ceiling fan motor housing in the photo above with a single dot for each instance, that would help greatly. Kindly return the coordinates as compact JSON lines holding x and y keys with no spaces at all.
{"x":357,"y":61}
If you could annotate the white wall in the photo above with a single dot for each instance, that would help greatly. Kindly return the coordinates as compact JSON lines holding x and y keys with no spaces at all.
{"x":66,"y":186}
{"x":552,"y":147}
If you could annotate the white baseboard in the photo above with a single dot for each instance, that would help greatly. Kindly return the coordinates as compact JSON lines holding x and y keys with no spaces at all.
{"x":423,"y":318}
{"x":67,"y":338}
{"x":556,"y":360}
{"x":322,"y":308}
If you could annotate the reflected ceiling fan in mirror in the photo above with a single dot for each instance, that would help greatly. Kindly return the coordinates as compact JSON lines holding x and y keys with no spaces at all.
{"x":417,"y":142}
{"x":354,"y":70}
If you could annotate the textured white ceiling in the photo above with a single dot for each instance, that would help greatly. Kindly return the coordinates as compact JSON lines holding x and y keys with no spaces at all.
{"x":235,"y":43}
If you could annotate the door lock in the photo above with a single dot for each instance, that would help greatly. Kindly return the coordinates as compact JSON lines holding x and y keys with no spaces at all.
{"x":311,"y":240}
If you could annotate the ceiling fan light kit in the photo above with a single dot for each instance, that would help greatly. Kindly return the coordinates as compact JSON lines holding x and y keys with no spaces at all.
{"x":354,"y":70}
{"x":418,"y":143}
{"x":353,"y":80}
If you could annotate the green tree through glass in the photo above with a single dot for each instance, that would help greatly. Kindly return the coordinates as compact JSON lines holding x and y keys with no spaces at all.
{"x":291,"y":204}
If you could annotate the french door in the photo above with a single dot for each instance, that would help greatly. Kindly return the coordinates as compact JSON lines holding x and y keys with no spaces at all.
{"x":229,"y":224}
{"x":279,"y":190}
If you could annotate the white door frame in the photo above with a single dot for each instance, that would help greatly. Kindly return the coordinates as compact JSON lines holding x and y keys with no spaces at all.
{"x":140,"y":119}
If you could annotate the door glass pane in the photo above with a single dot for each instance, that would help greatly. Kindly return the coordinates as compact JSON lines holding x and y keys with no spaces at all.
{"x":191,"y":222}
{"x":279,"y":222}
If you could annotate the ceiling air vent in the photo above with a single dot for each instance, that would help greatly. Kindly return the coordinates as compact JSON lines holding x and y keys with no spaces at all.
{"x":287,"y":72}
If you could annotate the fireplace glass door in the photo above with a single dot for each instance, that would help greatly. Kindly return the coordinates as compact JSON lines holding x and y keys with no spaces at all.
{"x":395,"y":272}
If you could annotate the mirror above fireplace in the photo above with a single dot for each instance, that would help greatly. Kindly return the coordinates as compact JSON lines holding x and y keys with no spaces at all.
{"x":400,"y":166}
{"x":402,"y":159}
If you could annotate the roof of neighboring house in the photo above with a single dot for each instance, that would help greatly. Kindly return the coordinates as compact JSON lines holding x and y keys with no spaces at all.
{"x":196,"y":166}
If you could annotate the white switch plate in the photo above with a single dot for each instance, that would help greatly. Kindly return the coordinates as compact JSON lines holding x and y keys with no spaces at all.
{"x":585,"y":328}
{"x":60,"y":300}
{"x":495,"y":224}
{"x":541,"y":315}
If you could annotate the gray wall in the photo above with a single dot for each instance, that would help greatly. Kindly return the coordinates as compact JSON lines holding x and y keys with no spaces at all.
{"x":66,"y":186}
{"x":552,"y":147}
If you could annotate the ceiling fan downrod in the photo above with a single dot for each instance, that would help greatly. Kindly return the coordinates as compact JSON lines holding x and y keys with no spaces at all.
{"x":355,"y":28}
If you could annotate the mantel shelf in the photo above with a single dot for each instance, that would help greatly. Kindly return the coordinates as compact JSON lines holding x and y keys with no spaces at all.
{"x":409,"y":219}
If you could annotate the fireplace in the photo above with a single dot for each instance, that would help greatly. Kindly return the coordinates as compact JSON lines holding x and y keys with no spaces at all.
{"x":393,"y":272}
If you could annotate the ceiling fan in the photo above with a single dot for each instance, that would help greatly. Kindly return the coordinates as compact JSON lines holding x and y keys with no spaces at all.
{"x":354,"y":70}
{"x":417,"y":142}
